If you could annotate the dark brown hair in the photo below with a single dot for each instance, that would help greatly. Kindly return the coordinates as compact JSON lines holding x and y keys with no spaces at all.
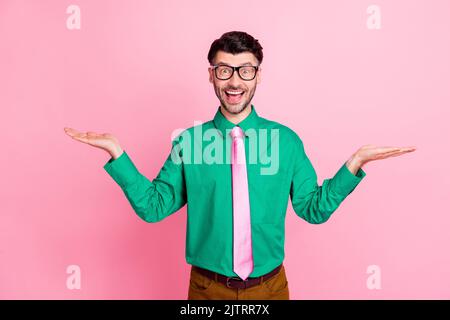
{"x":236,"y":42}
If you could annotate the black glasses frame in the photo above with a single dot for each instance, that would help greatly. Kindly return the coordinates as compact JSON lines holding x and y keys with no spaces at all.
{"x":214,"y":67}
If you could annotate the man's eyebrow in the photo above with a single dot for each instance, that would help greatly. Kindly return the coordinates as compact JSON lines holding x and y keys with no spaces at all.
{"x":242,"y":64}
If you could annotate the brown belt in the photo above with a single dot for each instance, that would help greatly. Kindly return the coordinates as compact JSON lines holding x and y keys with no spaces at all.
{"x":235,"y":282}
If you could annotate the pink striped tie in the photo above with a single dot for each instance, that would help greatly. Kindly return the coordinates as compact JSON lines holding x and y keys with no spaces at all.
{"x":242,"y":236}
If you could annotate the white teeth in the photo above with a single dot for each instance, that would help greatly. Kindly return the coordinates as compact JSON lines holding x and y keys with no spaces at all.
{"x":234,"y":92}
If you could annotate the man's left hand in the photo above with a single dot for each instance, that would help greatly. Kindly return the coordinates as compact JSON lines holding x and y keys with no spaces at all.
{"x":371,"y":152}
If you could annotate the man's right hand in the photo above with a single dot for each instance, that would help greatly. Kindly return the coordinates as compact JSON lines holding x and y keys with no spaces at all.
{"x":105,"y":141}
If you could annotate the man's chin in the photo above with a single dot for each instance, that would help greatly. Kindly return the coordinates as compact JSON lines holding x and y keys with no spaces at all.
{"x":234,"y":109}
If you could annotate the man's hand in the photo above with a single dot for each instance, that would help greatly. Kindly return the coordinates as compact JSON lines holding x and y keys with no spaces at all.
{"x":371,"y":152}
{"x":104,"y":141}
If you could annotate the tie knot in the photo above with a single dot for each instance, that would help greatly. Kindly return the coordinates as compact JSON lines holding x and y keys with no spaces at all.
{"x":237,"y":132}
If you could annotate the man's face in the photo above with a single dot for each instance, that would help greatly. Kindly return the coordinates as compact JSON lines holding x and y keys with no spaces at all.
{"x":234,"y":103}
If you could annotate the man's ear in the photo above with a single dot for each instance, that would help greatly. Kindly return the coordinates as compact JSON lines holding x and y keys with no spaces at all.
{"x":210,"y":71}
{"x":258,"y":75}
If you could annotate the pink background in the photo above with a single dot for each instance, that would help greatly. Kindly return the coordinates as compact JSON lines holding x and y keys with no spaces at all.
{"x":138,"y":69}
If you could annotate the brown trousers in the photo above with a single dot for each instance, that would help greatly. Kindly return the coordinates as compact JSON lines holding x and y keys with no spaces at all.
{"x":204,"y":288}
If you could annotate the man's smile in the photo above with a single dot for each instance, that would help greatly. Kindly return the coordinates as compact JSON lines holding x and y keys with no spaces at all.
{"x":234,"y":96}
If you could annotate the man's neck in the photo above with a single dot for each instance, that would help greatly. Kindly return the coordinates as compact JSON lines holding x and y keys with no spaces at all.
{"x":236,"y":118}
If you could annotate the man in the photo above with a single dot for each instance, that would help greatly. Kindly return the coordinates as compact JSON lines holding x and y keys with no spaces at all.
{"x":236,"y":209}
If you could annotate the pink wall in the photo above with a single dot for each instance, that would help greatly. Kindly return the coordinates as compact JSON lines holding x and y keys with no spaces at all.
{"x":138,"y":69}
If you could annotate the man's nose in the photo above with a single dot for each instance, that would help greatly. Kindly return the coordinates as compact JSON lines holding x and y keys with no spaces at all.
{"x":235,"y":79}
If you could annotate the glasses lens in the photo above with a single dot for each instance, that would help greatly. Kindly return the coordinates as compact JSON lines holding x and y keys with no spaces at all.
{"x":224,"y":72}
{"x":247,"y":73}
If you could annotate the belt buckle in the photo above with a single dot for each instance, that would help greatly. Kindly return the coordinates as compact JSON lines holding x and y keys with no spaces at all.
{"x":237,"y":278}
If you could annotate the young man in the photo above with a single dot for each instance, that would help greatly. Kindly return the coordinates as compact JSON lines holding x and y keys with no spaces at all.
{"x":236,"y":173}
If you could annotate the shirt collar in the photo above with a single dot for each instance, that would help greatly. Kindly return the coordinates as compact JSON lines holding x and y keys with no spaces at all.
{"x":223,"y":124}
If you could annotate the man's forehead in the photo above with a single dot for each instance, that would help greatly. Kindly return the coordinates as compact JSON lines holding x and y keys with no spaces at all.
{"x":229,"y":63}
{"x":239,"y":59}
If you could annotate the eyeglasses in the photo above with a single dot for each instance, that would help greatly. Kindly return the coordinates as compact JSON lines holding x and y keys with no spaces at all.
{"x":225,"y":72}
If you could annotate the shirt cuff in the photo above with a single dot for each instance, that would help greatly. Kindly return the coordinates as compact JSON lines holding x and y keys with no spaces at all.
{"x":122,"y":170}
{"x":344,"y":181}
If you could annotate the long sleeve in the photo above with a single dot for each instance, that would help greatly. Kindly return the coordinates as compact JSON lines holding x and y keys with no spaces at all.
{"x":315,"y":203}
{"x":151,"y":200}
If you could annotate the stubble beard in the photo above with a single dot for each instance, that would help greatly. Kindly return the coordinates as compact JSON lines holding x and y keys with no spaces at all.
{"x":235,"y":108}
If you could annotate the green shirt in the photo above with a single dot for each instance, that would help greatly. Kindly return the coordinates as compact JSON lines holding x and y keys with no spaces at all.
{"x":206,"y":188}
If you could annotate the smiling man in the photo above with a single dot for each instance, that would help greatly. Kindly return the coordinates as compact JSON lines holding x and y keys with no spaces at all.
{"x":234,"y":92}
{"x":235,"y":210}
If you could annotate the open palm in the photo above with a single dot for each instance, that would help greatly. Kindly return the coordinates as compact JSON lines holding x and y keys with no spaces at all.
{"x":371,"y":152}
{"x":105,"y":141}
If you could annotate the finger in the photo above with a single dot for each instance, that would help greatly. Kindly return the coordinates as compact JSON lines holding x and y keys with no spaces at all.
{"x":82,"y":139}
{"x":81,"y":135}
{"x":400,"y":148}
{"x":391,"y":148}
{"x":385,"y":150}
{"x":394,"y":154}
{"x":68,"y":131}
{"x":387,"y":154}
{"x":71,"y":131}
{"x":407,"y":151}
